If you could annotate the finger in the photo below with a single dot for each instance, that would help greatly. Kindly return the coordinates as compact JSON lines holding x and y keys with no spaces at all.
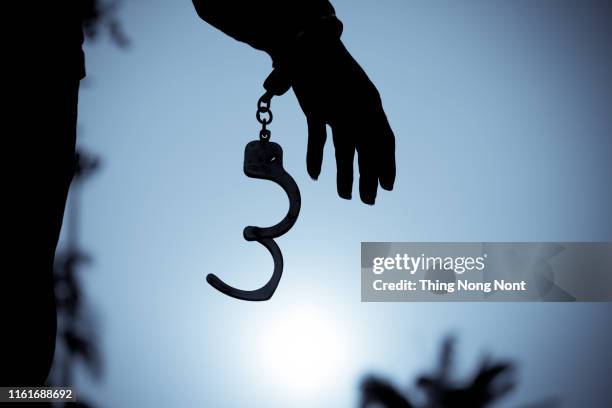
{"x":345,"y":154}
{"x":317,"y":135}
{"x":386,"y":157}
{"x":368,"y":179}
{"x":368,"y":151}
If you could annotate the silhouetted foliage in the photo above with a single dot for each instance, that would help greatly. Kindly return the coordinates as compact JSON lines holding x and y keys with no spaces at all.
{"x":491,"y":381}
{"x":99,"y":15}
{"x":76,"y":338}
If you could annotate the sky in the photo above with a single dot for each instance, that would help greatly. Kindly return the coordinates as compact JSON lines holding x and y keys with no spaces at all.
{"x":502,"y":115}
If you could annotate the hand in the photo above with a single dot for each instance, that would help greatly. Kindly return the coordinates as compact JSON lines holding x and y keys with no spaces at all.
{"x":333,"y":90}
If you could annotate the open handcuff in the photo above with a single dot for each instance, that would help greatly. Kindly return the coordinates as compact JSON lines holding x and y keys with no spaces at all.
{"x":263,"y":159}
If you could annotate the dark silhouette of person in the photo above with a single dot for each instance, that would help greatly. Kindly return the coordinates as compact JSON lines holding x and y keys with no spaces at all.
{"x":303,"y":39}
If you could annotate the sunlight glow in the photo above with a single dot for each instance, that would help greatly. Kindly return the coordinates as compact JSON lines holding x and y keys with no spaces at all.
{"x":303,"y":350}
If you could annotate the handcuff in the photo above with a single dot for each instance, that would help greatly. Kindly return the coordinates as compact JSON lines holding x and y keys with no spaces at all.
{"x":263,"y":159}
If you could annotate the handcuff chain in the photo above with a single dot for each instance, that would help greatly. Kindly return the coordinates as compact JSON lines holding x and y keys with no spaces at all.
{"x":263,"y":107}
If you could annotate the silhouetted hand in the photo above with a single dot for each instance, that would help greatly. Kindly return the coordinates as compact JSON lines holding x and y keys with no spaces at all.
{"x":333,"y":90}
{"x":302,"y":37}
